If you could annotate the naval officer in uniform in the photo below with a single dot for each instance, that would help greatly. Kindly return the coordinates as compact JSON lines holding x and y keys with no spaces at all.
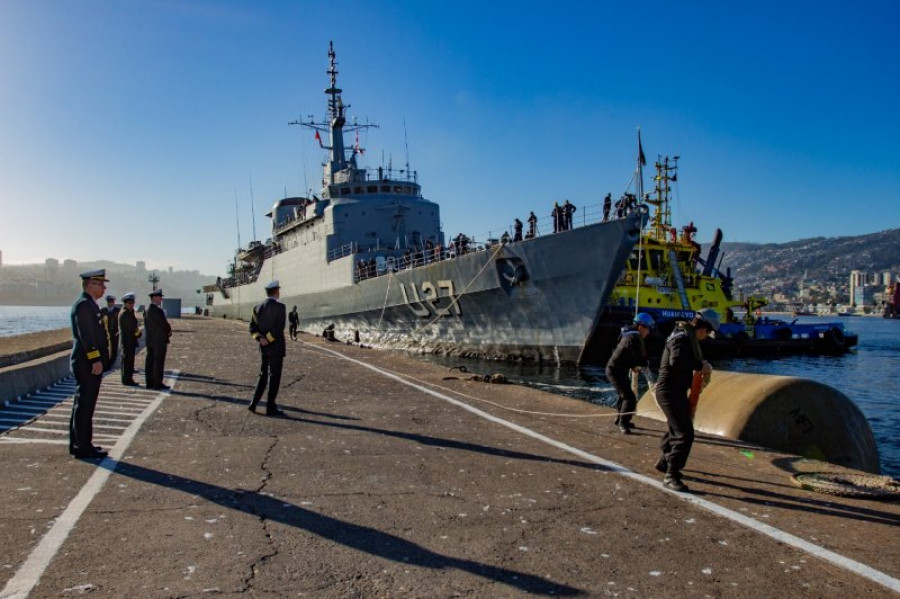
{"x":131,"y":333}
{"x":90,"y":357}
{"x":110,"y":314}
{"x":267,"y":328}
{"x":158,"y":332}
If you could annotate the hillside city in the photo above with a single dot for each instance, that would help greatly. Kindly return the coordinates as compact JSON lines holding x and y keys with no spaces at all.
{"x":56,"y":283}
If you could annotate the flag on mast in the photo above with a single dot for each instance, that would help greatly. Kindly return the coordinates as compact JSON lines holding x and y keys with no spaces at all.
{"x":641,"y":158}
{"x":319,"y":139}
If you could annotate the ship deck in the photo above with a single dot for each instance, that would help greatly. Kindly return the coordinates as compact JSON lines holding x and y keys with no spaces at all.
{"x":389,"y":476}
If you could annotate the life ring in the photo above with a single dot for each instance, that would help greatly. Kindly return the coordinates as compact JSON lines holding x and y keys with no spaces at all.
{"x":867,"y":486}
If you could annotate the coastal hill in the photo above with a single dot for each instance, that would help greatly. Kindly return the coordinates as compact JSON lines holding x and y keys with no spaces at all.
{"x":54,"y":284}
{"x":821,"y":264}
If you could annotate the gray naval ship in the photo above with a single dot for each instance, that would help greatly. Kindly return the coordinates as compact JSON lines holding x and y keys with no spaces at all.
{"x":368,"y":260}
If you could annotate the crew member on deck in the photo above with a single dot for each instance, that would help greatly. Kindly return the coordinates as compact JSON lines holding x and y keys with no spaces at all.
{"x":110,"y":315}
{"x":630,"y":355}
{"x":680,"y":360}
{"x":517,"y":230}
{"x":532,"y":225}
{"x":568,"y":212}
{"x":158,"y":333}
{"x":131,"y":333}
{"x":90,"y":357}
{"x":267,"y":328}
{"x":607,"y":205}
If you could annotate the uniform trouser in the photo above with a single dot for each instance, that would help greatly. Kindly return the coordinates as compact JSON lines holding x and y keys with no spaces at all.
{"x":113,"y":349}
{"x":128,"y":363}
{"x":676,"y":443}
{"x":269,"y":375}
{"x":293,"y":331}
{"x":154,"y":365}
{"x":626,"y":404}
{"x":81,"y":430}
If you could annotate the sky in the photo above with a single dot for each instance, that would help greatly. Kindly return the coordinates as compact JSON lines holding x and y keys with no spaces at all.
{"x":157,"y":130}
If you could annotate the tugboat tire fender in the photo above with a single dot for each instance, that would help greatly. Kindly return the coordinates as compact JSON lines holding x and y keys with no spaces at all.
{"x":836,"y":337}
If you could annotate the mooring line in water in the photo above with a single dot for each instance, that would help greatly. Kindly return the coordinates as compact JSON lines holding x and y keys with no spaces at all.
{"x":772,"y":532}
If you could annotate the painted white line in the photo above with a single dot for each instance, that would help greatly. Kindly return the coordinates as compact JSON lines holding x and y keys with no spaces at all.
{"x":770,"y":531}
{"x":26,"y":440}
{"x":30,"y":572}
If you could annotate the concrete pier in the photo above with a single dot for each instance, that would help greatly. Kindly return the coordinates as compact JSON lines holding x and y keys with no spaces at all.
{"x":387,"y":479}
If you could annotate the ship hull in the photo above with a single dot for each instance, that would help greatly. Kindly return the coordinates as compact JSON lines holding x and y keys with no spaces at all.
{"x":535,"y":300}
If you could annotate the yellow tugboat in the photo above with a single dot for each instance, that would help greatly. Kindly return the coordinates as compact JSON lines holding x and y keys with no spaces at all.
{"x":667,"y":277}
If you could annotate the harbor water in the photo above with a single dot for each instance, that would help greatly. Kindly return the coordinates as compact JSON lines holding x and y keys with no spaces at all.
{"x":864,"y":375}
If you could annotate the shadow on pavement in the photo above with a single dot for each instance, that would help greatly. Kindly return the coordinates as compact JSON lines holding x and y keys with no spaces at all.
{"x":354,"y":536}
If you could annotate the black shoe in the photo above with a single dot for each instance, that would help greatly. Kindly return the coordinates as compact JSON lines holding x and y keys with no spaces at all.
{"x":252,"y":407}
{"x":275,"y":413}
{"x":131,"y":384}
{"x":662,"y":465}
{"x":624,"y":430}
{"x":163,"y":388}
{"x":675,"y":483}
{"x":629,"y":425}
{"x":89,"y":455}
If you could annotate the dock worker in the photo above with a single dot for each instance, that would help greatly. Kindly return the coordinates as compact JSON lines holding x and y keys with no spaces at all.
{"x":267,"y":328}
{"x":681,"y":359}
{"x":629,"y":356}
{"x":131,"y":334}
{"x":110,"y":316}
{"x":294,"y":320}
{"x":90,"y":357}
{"x":158,"y":333}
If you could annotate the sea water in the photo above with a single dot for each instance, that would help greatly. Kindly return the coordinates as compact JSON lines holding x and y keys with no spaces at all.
{"x":17,"y":320}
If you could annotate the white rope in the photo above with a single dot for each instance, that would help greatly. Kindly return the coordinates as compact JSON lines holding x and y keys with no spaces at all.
{"x":384,"y":304}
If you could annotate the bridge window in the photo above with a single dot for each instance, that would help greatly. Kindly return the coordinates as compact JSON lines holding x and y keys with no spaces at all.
{"x":372,"y":189}
{"x":345,"y":191}
{"x":386,"y":188}
{"x":357,"y":190}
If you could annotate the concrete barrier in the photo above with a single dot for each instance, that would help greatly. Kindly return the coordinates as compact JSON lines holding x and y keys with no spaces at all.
{"x":27,"y":377}
{"x":786,"y":413}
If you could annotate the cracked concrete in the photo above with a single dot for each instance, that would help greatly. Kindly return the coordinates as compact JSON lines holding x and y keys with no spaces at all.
{"x":371,"y":488}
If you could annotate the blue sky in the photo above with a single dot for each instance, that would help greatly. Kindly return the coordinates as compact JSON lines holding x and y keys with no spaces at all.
{"x":130,"y":128}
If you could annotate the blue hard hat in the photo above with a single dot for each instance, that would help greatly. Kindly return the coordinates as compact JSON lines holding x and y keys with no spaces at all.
{"x":644,"y":319}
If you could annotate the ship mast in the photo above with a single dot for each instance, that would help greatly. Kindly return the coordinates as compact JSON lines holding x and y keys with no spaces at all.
{"x":335,"y":127}
{"x":665,"y":172}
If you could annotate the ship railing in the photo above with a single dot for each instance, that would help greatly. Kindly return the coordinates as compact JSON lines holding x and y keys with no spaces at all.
{"x":343,"y":251}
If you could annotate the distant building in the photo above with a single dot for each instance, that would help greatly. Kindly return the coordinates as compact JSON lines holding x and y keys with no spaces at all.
{"x":863,"y":295}
{"x":69,"y":267}
{"x":141,"y":268}
{"x":857,"y":280}
{"x":51,"y":268}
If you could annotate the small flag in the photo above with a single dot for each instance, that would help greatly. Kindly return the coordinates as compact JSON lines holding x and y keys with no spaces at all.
{"x":358,"y":149}
{"x":319,"y":139}
{"x":641,"y":158}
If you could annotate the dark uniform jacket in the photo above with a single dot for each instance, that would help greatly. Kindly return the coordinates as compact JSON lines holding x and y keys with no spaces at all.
{"x":111,"y":317}
{"x":89,"y":336}
{"x":630,"y":352}
{"x":128,"y":325}
{"x":268,"y":321}
{"x":679,"y":361}
{"x":157,"y":325}
{"x":294,"y":318}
